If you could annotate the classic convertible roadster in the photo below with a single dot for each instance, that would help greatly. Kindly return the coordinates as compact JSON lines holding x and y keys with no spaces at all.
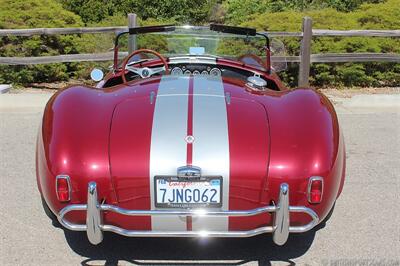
{"x":196,"y":137}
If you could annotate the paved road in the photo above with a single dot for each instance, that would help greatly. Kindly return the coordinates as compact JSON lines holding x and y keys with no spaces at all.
{"x":364,"y":227}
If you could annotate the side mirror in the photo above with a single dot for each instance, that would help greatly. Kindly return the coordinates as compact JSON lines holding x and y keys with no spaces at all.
{"x":96,"y":74}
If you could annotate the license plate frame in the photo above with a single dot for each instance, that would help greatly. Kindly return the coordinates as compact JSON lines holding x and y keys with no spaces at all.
{"x":187,"y":205}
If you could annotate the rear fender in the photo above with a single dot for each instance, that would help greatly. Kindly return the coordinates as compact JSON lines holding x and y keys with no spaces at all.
{"x":305,"y":141}
{"x":73,"y":141}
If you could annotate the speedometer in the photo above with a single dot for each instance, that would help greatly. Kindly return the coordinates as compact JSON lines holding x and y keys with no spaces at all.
{"x":176,"y":71}
{"x":215,"y":72}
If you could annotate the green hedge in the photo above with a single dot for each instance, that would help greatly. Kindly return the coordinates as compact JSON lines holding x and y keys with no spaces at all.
{"x":50,"y":13}
{"x":37,"y":14}
{"x":368,"y":16}
{"x":184,"y":11}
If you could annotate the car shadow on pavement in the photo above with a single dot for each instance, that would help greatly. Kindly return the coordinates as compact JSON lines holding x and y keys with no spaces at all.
{"x":117,"y":249}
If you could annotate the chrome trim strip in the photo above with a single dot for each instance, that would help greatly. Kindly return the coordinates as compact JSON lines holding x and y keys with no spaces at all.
{"x":193,"y":60}
{"x":228,"y":97}
{"x":189,"y":171}
{"x":94,"y":213}
{"x":188,"y":212}
{"x":68,"y":225}
{"x":129,"y":233}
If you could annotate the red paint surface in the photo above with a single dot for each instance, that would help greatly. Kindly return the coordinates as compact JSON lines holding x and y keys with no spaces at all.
{"x":103,"y":135}
{"x":249,"y":154}
{"x":189,"y":152}
{"x":189,"y":223}
{"x":130,"y":155}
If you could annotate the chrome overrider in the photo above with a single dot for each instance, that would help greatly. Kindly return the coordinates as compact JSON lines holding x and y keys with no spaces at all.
{"x":280,"y":229}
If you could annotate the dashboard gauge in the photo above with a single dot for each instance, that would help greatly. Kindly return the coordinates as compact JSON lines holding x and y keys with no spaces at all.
{"x":204,"y":72}
{"x":196,"y":72}
{"x":187,"y":72}
{"x":176,"y":71}
{"x":208,"y":69}
{"x":215,"y":72}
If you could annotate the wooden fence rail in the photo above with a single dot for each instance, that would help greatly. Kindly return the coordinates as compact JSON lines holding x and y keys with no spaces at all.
{"x":314,"y":58}
{"x":57,"y":31}
{"x":304,"y":59}
{"x":94,"y":30}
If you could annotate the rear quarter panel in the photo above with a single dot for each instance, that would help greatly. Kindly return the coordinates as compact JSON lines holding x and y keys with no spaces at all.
{"x":73,"y":140}
{"x":306,"y":141}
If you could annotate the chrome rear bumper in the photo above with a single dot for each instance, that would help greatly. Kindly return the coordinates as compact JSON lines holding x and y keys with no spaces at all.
{"x":94,"y":224}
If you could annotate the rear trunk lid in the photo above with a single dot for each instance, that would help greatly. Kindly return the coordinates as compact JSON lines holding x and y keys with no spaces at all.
{"x":189,"y":121}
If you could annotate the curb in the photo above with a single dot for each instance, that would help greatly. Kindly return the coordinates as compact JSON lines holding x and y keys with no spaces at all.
{"x":4,"y":88}
{"x":24,"y":100}
{"x":374,"y":101}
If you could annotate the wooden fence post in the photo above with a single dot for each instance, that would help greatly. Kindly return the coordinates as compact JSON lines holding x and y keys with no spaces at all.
{"x":305,"y":53}
{"x":132,"y":22}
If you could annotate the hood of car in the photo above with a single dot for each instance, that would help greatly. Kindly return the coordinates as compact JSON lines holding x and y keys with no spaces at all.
{"x":189,"y":121}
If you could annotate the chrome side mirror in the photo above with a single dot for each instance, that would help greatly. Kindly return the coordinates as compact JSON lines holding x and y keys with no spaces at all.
{"x":96,"y":74}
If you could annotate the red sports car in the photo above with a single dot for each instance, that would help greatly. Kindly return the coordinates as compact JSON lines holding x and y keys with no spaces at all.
{"x":197,"y":137}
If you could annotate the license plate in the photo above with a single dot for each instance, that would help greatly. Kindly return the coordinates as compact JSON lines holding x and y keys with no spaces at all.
{"x":171,"y":192}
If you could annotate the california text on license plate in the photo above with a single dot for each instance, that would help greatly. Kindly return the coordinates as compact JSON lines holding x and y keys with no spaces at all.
{"x":171,"y":192}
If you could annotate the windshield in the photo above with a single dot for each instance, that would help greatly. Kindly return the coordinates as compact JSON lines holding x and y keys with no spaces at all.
{"x":201,"y":41}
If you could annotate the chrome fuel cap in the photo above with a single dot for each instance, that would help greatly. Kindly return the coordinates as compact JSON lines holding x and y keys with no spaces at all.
{"x":257,"y":82}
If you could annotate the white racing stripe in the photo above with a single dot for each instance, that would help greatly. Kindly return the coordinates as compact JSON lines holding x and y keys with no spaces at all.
{"x":168,"y":146}
{"x":211,"y":145}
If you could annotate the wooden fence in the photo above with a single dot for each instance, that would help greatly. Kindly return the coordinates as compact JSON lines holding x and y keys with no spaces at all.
{"x":304,"y":59}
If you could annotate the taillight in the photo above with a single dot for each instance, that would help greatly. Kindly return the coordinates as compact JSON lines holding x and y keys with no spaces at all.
{"x":63,"y":188}
{"x":315,"y":189}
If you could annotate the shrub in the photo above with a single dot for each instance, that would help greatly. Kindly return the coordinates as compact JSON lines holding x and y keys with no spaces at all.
{"x":184,"y":11}
{"x":368,"y":16}
{"x":35,"y":13}
{"x":50,"y":13}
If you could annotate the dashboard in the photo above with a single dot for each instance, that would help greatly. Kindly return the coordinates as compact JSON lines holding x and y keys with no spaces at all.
{"x":207,"y":67}
{"x":195,"y":70}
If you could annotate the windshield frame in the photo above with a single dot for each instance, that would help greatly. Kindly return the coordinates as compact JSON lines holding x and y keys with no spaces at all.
{"x":220,"y":28}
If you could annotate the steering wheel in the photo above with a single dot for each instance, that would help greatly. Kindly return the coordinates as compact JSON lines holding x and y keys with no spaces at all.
{"x":143,"y":72}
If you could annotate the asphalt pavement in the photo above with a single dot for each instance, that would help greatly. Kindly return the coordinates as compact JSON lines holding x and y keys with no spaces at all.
{"x":363,"y":230}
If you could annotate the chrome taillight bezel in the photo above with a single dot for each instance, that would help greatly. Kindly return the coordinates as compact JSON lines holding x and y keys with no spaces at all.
{"x":310,"y":181}
{"x":66,"y":177}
